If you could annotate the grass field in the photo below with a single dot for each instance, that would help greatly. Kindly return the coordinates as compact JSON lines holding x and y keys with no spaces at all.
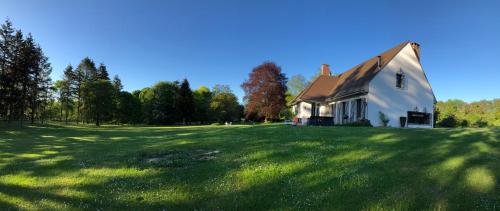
{"x":248,"y":167}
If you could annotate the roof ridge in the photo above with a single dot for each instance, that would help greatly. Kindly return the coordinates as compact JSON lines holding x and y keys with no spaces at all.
{"x":351,"y":81}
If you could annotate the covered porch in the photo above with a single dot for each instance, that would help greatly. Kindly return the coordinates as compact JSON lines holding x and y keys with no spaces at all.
{"x":332,"y":113}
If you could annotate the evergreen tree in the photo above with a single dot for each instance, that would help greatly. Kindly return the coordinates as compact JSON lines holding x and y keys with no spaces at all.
{"x":102,"y":72}
{"x":185,"y":102}
{"x":117,"y":83}
{"x":68,"y":92}
{"x":85,"y":74}
{"x":24,"y":75}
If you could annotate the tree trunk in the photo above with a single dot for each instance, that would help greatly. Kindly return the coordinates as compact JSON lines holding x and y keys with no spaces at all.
{"x":78,"y":109}
{"x":66,"y":116}
{"x":97,"y":123}
{"x":61,"y":116}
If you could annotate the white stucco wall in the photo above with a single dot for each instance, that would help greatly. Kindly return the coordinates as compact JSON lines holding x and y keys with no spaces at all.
{"x":324,"y":109}
{"x":394,"y":102}
{"x":304,"y":110}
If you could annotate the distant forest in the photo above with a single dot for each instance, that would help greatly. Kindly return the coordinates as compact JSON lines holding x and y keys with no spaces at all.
{"x":457,"y":113}
{"x":87,"y":94}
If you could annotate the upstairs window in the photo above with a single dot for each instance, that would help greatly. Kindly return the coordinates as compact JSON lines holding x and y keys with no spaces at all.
{"x":400,"y":79}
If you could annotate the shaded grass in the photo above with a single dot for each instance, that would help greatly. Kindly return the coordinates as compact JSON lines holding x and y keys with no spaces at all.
{"x":256,"y":167}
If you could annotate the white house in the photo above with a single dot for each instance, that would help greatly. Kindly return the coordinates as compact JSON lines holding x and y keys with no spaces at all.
{"x":392,"y":83}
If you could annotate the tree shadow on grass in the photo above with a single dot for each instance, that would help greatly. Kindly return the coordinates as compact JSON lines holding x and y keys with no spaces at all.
{"x":335,"y":168}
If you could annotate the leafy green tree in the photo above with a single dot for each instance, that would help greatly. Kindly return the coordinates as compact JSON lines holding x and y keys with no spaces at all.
{"x":128,"y":108}
{"x":224,"y":105}
{"x":296,"y":84}
{"x":454,"y":113}
{"x":164,"y":108}
{"x":99,"y":97}
{"x":66,"y":92}
{"x":146,"y":97}
{"x":202,"y":97}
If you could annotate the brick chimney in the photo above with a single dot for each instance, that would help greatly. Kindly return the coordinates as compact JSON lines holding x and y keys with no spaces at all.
{"x":325,"y":69}
{"x":416,"y":48}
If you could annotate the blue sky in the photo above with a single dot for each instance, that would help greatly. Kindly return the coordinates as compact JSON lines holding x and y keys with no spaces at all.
{"x":219,"y":42}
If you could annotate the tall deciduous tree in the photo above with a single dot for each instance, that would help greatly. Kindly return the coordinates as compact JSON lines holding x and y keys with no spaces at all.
{"x":202,"y":97}
{"x":265,"y":91}
{"x":296,"y":84}
{"x":224,"y":104}
{"x":99,"y":97}
{"x":164,"y":107}
{"x":128,"y":108}
{"x":147,"y":98}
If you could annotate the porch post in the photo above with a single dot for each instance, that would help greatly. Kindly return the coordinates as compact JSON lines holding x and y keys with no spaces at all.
{"x":349,"y":113}
{"x":337,"y":114}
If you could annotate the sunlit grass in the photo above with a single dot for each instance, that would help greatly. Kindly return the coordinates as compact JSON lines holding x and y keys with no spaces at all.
{"x":248,"y":167}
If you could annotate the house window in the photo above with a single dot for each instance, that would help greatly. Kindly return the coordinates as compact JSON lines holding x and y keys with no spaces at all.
{"x":359,"y":104}
{"x":313,"y":109}
{"x":344,"y":111}
{"x":400,"y":79}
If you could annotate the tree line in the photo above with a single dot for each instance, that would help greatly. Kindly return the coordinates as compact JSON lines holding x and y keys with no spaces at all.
{"x":457,"y":113}
{"x":87,"y":94}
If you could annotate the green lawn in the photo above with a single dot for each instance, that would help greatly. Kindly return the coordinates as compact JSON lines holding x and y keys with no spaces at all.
{"x":248,"y":167}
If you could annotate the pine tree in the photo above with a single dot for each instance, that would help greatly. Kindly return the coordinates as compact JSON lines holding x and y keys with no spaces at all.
{"x":102,"y":72}
{"x":24,"y":75}
{"x":67,"y":91}
{"x":6,"y":69}
{"x":186,"y":102}
{"x":85,"y":73}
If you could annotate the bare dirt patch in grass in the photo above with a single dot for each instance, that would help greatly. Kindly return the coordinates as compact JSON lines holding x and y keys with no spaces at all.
{"x":176,"y":158}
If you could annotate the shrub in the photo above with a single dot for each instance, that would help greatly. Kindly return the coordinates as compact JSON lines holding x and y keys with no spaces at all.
{"x":359,"y":123}
{"x":464,"y":123}
{"x":449,"y":121}
{"x":480,"y":123}
{"x":383,"y":118}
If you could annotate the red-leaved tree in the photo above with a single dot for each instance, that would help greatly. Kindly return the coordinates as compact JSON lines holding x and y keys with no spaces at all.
{"x":265,"y":91}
